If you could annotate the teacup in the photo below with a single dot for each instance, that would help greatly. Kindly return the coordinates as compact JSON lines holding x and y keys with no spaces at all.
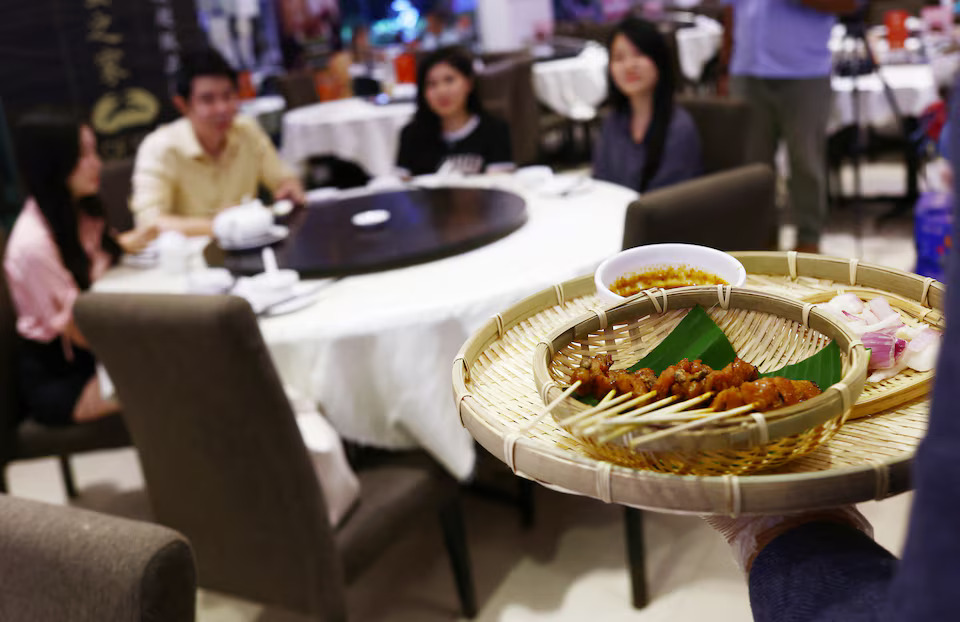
{"x":243,"y":222}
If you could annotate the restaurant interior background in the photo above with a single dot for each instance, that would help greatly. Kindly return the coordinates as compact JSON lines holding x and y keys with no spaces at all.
{"x":317,"y":94}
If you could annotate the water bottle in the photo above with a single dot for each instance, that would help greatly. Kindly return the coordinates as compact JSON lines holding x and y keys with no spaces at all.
{"x":933,"y":224}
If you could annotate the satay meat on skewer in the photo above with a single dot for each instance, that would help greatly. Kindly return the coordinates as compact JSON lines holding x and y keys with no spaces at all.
{"x":597,"y":380}
{"x":766,"y":394}
{"x":683,"y":379}
{"x":733,"y":375}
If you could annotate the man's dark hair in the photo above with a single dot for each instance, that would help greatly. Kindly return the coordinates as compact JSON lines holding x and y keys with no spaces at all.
{"x":199,"y":64}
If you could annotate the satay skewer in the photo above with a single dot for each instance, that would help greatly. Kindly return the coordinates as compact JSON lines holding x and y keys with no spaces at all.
{"x":655,"y":436}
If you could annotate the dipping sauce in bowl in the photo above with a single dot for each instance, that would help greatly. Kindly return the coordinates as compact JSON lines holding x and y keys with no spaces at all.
{"x":665,"y":277}
{"x":665,"y":265}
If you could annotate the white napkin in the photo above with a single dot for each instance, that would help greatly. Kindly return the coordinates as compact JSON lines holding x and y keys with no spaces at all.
{"x":339,"y":483}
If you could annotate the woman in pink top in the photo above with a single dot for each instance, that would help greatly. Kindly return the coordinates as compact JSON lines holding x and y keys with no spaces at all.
{"x":58,"y":246}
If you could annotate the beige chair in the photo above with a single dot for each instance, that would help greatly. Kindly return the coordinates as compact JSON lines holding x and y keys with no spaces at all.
{"x":725,"y":126}
{"x":225,"y":464}
{"x":731,"y":210}
{"x":23,"y":439}
{"x":60,"y":563}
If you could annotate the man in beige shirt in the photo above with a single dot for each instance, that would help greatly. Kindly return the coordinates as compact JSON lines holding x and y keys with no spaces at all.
{"x":210,"y":159}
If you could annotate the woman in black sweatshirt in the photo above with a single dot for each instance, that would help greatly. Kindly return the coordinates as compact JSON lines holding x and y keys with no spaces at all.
{"x":450,"y":120}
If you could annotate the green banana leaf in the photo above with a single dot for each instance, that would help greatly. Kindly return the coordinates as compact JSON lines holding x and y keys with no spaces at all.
{"x":698,"y":337}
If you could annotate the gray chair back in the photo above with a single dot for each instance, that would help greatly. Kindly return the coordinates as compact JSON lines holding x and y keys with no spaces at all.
{"x":62,"y":563}
{"x":506,"y":91}
{"x":495,"y":88}
{"x":9,"y":402}
{"x":726,"y":128}
{"x":732,"y":211}
{"x":298,"y":89}
{"x":116,"y":185}
{"x":223,"y":459}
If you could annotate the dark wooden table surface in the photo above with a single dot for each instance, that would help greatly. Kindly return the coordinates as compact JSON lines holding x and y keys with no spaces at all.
{"x":424,"y":224}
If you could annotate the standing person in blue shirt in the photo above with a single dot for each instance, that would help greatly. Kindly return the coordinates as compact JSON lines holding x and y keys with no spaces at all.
{"x":781,"y":65}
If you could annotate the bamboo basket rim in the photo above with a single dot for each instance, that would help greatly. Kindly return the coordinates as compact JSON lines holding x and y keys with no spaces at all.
{"x":837,"y":400}
{"x":576,"y":473}
{"x":927,"y":291}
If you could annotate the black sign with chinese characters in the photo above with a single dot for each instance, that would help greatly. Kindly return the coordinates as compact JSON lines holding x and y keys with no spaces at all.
{"x":114,"y":60}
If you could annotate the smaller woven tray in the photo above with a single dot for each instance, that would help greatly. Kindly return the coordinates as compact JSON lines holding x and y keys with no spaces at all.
{"x":766,"y":330}
{"x":816,"y":278}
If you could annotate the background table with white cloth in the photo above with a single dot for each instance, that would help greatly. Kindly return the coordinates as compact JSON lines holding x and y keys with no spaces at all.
{"x":375,"y":351}
{"x":914,"y":88}
{"x":575,"y":87}
{"x":352,"y":129}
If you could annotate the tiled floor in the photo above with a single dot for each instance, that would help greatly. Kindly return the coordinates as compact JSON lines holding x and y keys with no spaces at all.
{"x":571,"y":566}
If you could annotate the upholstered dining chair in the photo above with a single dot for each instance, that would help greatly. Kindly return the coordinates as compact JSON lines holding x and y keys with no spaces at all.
{"x":61,"y":563}
{"x":725,"y":126}
{"x":506,"y":91}
{"x":224,"y":462}
{"x":23,"y":439}
{"x":731,"y":210}
{"x":116,"y":185}
{"x":298,"y":89}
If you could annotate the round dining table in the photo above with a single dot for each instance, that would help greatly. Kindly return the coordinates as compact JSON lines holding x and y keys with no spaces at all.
{"x":374,"y":350}
{"x":383,"y":230}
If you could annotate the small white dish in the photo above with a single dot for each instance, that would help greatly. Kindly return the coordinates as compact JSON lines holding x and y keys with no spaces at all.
{"x":370,"y":218}
{"x":532,"y":177}
{"x":282,"y":207}
{"x":654,"y":256}
{"x":273,"y":285}
{"x":209,"y":281}
{"x":274,"y":234}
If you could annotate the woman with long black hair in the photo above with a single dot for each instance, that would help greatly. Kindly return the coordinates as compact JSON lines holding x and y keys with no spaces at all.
{"x":59,"y":245}
{"x":647,"y":142}
{"x":450,"y":125}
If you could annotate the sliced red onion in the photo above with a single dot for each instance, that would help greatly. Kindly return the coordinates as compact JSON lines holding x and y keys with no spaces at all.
{"x":899,"y":348}
{"x":882,"y":374}
{"x":853,"y":318}
{"x":882,"y":348}
{"x":848,"y":302}
{"x":881,"y":308}
{"x":921,"y":353}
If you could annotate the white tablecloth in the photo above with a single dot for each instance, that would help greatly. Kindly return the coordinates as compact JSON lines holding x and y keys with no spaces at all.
{"x":697,"y":45}
{"x":914,"y":88}
{"x":573,"y":87}
{"x":352,"y":129}
{"x":264,"y":104}
{"x":376,"y":351}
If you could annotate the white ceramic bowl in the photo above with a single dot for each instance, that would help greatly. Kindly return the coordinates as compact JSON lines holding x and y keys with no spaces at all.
{"x":653,"y":256}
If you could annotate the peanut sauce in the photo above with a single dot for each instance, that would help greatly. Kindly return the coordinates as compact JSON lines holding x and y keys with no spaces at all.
{"x":669,"y":277}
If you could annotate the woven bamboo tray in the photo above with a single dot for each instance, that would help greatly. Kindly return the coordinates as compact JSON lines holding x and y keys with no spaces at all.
{"x":766,"y":330}
{"x":497,"y":401}
{"x":815,"y":278}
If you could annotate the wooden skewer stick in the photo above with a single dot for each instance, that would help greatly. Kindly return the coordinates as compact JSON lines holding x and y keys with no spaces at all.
{"x":629,"y":421}
{"x":549,"y":407}
{"x":603,"y":405}
{"x":600,"y":415}
{"x":655,"y":436}
{"x":640,"y":415}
